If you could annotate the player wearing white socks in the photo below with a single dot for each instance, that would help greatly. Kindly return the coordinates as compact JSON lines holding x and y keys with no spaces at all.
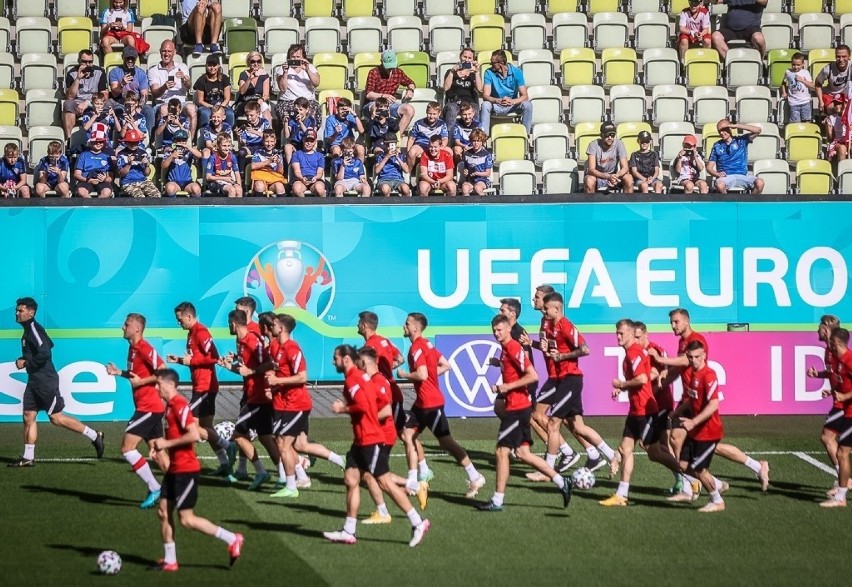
{"x":839,"y":341}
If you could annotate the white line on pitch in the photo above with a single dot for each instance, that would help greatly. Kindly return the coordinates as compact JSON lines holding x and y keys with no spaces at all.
{"x":819,"y":465}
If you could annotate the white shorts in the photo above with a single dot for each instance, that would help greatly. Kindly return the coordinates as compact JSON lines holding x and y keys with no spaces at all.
{"x":348,"y":184}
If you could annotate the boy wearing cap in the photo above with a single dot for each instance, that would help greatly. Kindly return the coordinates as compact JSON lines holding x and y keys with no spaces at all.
{"x":607,"y":169}
{"x":93,"y":169}
{"x":308,"y":167}
{"x":385,"y":80}
{"x":687,"y":167}
{"x":134,"y":165}
{"x":693,"y":27}
{"x":177,"y":164}
{"x":645,"y":166}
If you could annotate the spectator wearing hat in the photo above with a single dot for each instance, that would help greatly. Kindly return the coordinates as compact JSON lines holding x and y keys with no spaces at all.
{"x":693,"y":27}
{"x":741,"y":23}
{"x":178,"y":159}
{"x":211,"y":89}
{"x":82,"y":83}
{"x":729,"y":158}
{"x":836,"y":131}
{"x":93,"y":168}
{"x":307,"y":168}
{"x":201,"y":24}
{"x":687,"y":167}
{"x":645,"y":166}
{"x":134,"y":166}
{"x":169,"y":81}
{"x":384,"y":81}
{"x":504,"y":92}
{"x":607,"y":169}
{"x":131,"y":78}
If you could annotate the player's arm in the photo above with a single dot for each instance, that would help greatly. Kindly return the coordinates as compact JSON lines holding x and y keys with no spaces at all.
{"x":36,"y":359}
{"x":530,"y":376}
{"x":581,"y":351}
{"x":813,"y":373}
{"x":443,"y":365}
{"x":208,"y":356}
{"x":421,"y":373}
{"x":398,"y":360}
{"x":703,"y":416}
{"x":190,"y":436}
{"x":298,"y":379}
{"x":678,"y":361}
{"x":632,"y":383}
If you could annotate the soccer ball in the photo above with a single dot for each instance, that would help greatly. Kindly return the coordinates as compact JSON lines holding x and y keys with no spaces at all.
{"x":305,"y":461}
{"x":583,"y":478}
{"x":109,"y":563}
{"x":224,"y":429}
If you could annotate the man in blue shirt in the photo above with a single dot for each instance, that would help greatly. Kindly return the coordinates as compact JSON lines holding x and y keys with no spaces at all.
{"x":504,"y":92}
{"x":307,"y":167}
{"x":729,"y":158}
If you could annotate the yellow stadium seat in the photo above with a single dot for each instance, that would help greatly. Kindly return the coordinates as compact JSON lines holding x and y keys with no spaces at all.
{"x":702,"y":67}
{"x":813,"y":177}
{"x":819,"y":58}
{"x":584,"y":134}
{"x":509,"y":141}
{"x":476,"y":7}
{"x":236,"y":65}
{"x":415,"y":64}
{"x":8,"y":107}
{"x":363,"y":63}
{"x":487,"y":32}
{"x":800,"y":7}
{"x":709,"y":136}
{"x":324,"y":95}
{"x":842,"y":7}
{"x":803,"y":140}
{"x":577,"y":66}
{"x":313,"y":8}
{"x":778,"y":61}
{"x":598,"y":6}
{"x":618,"y":66}
{"x":628,"y":132}
{"x":333,"y":69}
{"x":560,"y":6}
{"x":355,"y":8}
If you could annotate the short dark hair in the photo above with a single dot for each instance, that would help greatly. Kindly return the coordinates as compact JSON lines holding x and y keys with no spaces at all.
{"x":840,"y":335}
{"x":238,"y":317}
{"x":370,"y":319}
{"x":346,"y":350}
{"x":513,"y":304}
{"x":246,"y":301}
{"x":500,"y":55}
{"x":797,"y":56}
{"x":545,"y":289}
{"x":287,"y":322}
{"x":682,"y":311}
{"x":27,"y":302}
{"x":185,"y":308}
{"x":265,"y":319}
{"x":829,"y":320}
{"x":169,"y":375}
{"x":435,"y":139}
{"x":841,"y":47}
{"x":499,"y":319}
{"x":553,"y":296}
{"x":420,"y":319}
{"x":369,"y":353}
{"x":694,"y":346}
{"x":639,"y":325}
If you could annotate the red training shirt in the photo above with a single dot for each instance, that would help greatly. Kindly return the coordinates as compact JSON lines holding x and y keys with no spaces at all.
{"x":422,"y":353}
{"x":251,"y":353}
{"x":384,"y":398}
{"x":179,"y":416}
{"x":662,"y":391}
{"x":203,"y":358}
{"x":359,"y":393}
{"x":568,"y":339}
{"x":703,"y":388}
{"x":290,"y":361}
{"x":682,"y":343}
{"x":513,"y":365}
{"x":143,"y":360}
{"x":844,"y":372}
{"x":386,"y":355}
{"x":637,"y":362}
{"x":832,"y":365}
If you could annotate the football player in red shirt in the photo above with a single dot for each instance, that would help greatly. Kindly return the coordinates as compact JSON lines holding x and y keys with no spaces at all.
{"x":425,"y":364}
{"x":146,"y":423}
{"x":202,"y":357}
{"x":249,"y":306}
{"x":180,"y":483}
{"x":367,"y":454}
{"x":839,"y":343}
{"x":518,"y":373}
{"x":643,"y":423}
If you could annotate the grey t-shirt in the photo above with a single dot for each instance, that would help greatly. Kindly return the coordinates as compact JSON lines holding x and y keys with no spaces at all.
{"x":607,"y":161}
{"x":89,"y":85}
{"x":743,"y":14}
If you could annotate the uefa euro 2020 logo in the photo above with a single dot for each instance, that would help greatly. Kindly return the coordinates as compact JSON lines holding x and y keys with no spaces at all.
{"x":290,"y":274}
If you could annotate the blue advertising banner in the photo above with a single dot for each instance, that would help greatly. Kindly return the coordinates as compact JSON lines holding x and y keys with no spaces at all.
{"x":778,"y":266}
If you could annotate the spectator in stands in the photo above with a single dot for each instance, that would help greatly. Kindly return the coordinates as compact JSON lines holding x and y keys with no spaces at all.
{"x":465,"y":125}
{"x":116,"y":21}
{"x":201,"y":24}
{"x":741,"y":23}
{"x":423,"y":130}
{"x":836,"y":131}
{"x":462,"y":85}
{"x":211,"y":131}
{"x":134,"y":167}
{"x":13,"y":173}
{"x":477,"y":165}
{"x":172,"y":123}
{"x":170,"y":81}
{"x":349,"y":172}
{"x":52,"y":172}
{"x":177,"y":163}
{"x":687,"y":167}
{"x":298,"y":78}
{"x":297,"y":125}
{"x":93,"y":168}
{"x":382,"y":126}
{"x":607,"y":169}
{"x":385,"y":80}
{"x":693,"y":27}
{"x":254,"y":86}
{"x":81,"y":83}
{"x":268,"y":171}
{"x":832,"y":79}
{"x":250,"y":134}
{"x":729,"y":158}
{"x":213,"y":89}
{"x":390,"y":168}
{"x":308,"y":167}
{"x":222,"y":173}
{"x":645,"y":166}
{"x":99,"y":112}
{"x":796,"y":89}
{"x":343,"y":123}
{"x":133,"y":118}
{"x":436,"y":170}
{"x":131,"y":78}
{"x":504,"y":92}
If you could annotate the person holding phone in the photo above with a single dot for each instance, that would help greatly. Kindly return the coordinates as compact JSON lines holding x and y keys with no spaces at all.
{"x":170,"y":80}
{"x":462,"y":83}
{"x":254,"y":86}
{"x":297,"y":78}
{"x":116,"y":22}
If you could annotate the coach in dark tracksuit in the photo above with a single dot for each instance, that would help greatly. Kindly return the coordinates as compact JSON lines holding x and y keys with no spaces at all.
{"x":42,"y":391}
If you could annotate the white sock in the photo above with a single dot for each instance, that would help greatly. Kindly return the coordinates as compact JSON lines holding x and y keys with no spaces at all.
{"x":422,"y":467}
{"x":558,"y":480}
{"x":281,"y":473}
{"x":497,"y":498}
{"x":134,"y":457}
{"x":29,"y":452}
{"x":291,"y":481}
{"x":89,"y":433}
{"x":607,"y":451}
{"x":472,"y":473}
{"x":753,"y":465}
{"x":717,"y":483}
{"x":716,"y":497}
{"x":336,"y":459}
{"x":300,"y":472}
{"x":382,"y":508}
{"x":222,"y":456}
{"x":241,"y":465}
{"x":687,"y":484}
{"x":565,"y":449}
{"x":171,"y":553}
{"x":414,"y":517}
{"x":258,"y":467}
{"x":592,"y":453}
{"x":623,"y":489}
{"x":349,"y":525}
{"x":841,"y":493}
{"x":225,"y":536}
{"x":411,"y":482}
{"x":550,"y":460}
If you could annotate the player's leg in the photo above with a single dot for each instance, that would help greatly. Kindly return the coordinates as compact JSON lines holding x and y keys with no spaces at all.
{"x":165,"y":511}
{"x":759,"y":468}
{"x":289,"y":459}
{"x":303,"y":445}
{"x":380,"y":470}
{"x":185,"y":498}
{"x":578,"y":425}
{"x":625,"y":449}
{"x":136,"y":432}
{"x":411,"y":433}
{"x":844,"y":449}
{"x":30,"y":437}
{"x":440,"y":427}
{"x":74,"y":425}
{"x":351,"y":478}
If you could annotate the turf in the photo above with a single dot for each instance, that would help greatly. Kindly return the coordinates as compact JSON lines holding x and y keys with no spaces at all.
{"x":59,"y":515}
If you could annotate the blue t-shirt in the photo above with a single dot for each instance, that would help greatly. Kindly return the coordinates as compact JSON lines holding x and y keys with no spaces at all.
{"x":91,"y":164}
{"x":505,"y":87}
{"x":222,"y":166}
{"x":478,"y":161}
{"x":732,"y":158}
{"x":142,"y":124}
{"x":105,"y":117}
{"x":138,"y":160}
{"x":253,"y":141}
{"x":422,"y":131}
{"x":354,"y":169}
{"x":392,"y":171}
{"x":262,"y":155}
{"x":309,"y":163}
{"x":461,"y":133}
{"x":12,"y":172}
{"x":180,"y":169}
{"x":349,"y":126}
{"x":139,"y":82}
{"x":296,"y":132}
{"x":169,"y":130}
{"x":209,"y":134}
{"x":50,"y":177}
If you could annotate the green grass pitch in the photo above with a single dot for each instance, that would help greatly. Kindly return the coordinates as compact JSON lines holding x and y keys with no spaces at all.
{"x":59,"y":515}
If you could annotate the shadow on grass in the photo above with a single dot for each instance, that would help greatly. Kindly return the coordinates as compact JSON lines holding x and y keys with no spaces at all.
{"x":98,"y":498}
{"x":92,"y":552}
{"x":314,"y":509}
{"x":273,"y":527}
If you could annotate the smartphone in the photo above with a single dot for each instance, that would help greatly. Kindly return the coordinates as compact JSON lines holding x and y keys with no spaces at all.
{"x":392,"y":147}
{"x":171,"y":78}
{"x":465,"y":65}
{"x":542,"y":339}
{"x":294,"y":62}
{"x":118,"y":20}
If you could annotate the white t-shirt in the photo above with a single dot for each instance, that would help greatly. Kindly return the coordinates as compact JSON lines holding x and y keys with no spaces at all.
{"x":159,"y":76}
{"x":694,"y":24}
{"x":835,"y":121}
{"x":299,"y":84}
{"x":797,"y":92}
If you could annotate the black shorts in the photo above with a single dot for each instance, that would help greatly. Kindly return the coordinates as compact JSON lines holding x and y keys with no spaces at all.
{"x":844,"y":437}
{"x":216,"y":189}
{"x":257,"y":417}
{"x":698,"y":453}
{"x":43,"y":397}
{"x":399,"y":416}
{"x":372,"y":459}
{"x":743,"y":35}
{"x":645,"y":429}
{"x":834,"y":420}
{"x":188,"y":37}
{"x":433,"y":418}
{"x":515,"y":429}
{"x":564,"y":396}
{"x":146,"y":425}
{"x":290,"y":423}
{"x":181,"y":489}
{"x":203,"y":404}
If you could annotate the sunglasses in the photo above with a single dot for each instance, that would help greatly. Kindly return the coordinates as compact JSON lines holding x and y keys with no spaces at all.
{"x":609,"y":135}
{"x":255,"y":61}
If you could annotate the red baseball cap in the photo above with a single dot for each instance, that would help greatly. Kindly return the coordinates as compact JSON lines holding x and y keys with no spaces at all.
{"x":690,"y":140}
